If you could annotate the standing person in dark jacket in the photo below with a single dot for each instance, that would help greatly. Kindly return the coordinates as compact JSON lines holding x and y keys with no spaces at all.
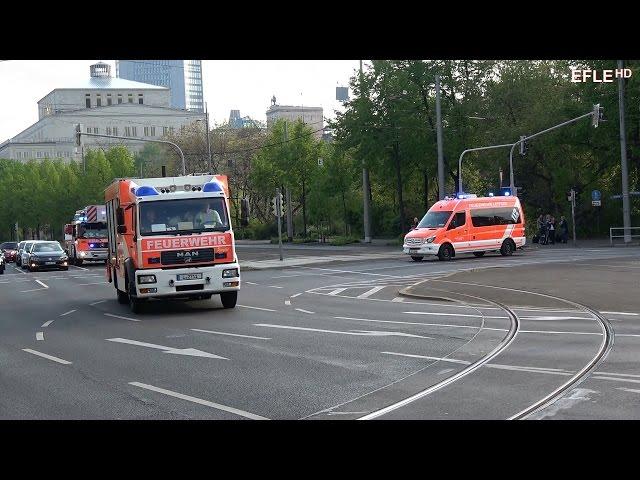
{"x":563,"y":229}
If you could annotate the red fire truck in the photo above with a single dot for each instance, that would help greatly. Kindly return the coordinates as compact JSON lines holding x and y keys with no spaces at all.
{"x":171,"y":237}
{"x":85,"y":238}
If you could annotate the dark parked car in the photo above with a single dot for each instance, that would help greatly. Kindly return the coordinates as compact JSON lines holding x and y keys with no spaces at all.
{"x":10,"y":249}
{"x":45,"y":255}
{"x":19,"y":253}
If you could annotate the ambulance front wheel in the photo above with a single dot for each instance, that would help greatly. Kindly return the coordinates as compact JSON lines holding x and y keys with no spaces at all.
{"x":416,"y":259}
{"x":229,"y":299}
{"x":446,"y":252}
{"x":507,"y":247}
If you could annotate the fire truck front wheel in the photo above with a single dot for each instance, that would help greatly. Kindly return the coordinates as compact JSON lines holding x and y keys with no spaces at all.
{"x":229,"y":299}
{"x":135,"y":304}
{"x":123,"y":298}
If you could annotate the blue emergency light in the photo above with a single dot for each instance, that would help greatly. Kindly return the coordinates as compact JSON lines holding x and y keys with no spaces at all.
{"x":212,"y":187}
{"x":505,"y":191}
{"x":146,"y":191}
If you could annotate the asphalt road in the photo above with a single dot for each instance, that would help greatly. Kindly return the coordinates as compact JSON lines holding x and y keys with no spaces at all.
{"x":334,"y":341}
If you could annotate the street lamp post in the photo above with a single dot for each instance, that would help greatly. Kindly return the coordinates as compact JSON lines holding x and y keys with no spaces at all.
{"x":184,"y":168}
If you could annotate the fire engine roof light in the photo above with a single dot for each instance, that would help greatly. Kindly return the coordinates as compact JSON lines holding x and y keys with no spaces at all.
{"x":145,"y":191}
{"x":212,"y":187}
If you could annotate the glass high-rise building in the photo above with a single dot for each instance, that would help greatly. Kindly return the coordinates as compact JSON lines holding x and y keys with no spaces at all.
{"x":183,"y":77}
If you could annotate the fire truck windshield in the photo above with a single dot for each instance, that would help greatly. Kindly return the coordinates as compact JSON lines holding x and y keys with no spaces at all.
{"x":92,"y":230}
{"x":434,"y":220}
{"x":191,"y":215}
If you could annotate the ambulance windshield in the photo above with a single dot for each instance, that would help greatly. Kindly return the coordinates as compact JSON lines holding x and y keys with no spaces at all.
{"x":434,"y":220}
{"x":92,"y":230}
{"x":193,"y":215}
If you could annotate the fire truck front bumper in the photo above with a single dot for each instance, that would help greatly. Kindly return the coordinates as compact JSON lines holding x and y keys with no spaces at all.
{"x":89,"y":255}
{"x":188,"y":282}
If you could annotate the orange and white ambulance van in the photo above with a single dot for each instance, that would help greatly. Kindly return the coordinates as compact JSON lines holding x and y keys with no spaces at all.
{"x":171,"y":237}
{"x":468,"y":224}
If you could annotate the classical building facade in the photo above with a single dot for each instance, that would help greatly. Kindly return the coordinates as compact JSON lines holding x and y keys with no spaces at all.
{"x":312,"y":116}
{"x":104,"y":105}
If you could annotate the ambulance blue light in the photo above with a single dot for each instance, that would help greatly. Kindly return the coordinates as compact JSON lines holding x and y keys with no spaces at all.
{"x":491,"y":194}
{"x":505,"y":191}
{"x":145,"y":191}
{"x":212,"y":187}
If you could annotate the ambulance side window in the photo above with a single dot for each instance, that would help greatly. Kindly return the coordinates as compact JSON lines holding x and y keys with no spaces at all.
{"x":458,"y":220}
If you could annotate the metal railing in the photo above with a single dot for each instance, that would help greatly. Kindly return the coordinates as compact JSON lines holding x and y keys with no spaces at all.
{"x":624,"y":234}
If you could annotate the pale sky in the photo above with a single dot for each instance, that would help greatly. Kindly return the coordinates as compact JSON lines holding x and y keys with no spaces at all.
{"x":245,"y":85}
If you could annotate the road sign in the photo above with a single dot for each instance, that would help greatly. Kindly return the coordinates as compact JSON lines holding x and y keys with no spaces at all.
{"x":596,"y":196}
{"x":596,"y":203}
{"x":320,"y":162}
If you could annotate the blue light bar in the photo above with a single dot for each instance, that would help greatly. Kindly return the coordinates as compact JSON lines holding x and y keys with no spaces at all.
{"x":145,"y":191}
{"x":505,"y":191}
{"x":212,"y":187}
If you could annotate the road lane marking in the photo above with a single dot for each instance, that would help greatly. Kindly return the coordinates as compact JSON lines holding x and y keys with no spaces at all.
{"x":453,"y":314}
{"x":296,"y":295}
{"x":81,"y":268}
{"x":199,"y":401}
{"x":287,"y":302}
{"x":230,"y":334}
{"x":305,"y":311}
{"x":67,"y":313}
{"x":258,"y":308}
{"x":621,"y":313}
{"x":616,"y":379}
{"x":44,"y":355}
{"x":20,"y":270}
{"x":39,"y":336}
{"x":398,"y":299}
{"x":370,"y":292}
{"x":46,"y":324}
{"x":43,"y":284}
{"x":124,"y":318}
{"x":351,"y":271}
{"x":419,"y":323}
{"x":272,"y":286}
{"x":96,"y":303}
{"x":250,"y":283}
{"x":93,"y":283}
{"x":632,"y":390}
{"x":336,"y":291}
{"x":174,"y":351}
{"x":366,"y":333}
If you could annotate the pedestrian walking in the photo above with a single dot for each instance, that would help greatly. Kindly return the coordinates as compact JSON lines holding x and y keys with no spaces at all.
{"x":414,"y":225}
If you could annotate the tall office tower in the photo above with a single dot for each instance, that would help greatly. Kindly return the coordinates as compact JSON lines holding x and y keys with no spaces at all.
{"x":182,"y":77}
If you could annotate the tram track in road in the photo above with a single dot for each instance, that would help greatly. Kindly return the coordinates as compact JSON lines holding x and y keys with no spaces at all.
{"x":608,"y":337}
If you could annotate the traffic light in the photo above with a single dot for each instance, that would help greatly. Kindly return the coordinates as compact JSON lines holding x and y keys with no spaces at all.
{"x":78,"y":136}
{"x":244,"y":209}
{"x":523,"y":145}
{"x":598,"y":115}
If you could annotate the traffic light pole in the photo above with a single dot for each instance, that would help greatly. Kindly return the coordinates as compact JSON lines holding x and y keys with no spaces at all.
{"x":184,"y":170}
{"x":573,"y":214}
{"x":525,"y":138}
{"x":490,"y":147}
{"x":626,"y":215}
{"x":278,"y":206}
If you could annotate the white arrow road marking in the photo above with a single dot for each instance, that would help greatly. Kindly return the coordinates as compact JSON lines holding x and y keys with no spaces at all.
{"x":258,"y":308}
{"x":365,"y":333}
{"x":199,"y":401}
{"x":39,"y":336}
{"x":124,"y":318}
{"x":174,"y":351}
{"x":44,"y":355}
{"x":230,"y":334}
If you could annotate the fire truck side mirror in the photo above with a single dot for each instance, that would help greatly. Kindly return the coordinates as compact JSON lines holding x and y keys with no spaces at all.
{"x":122,"y":229}
{"x":119,"y":217}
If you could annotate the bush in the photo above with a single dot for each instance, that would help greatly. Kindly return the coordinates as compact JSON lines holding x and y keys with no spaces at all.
{"x":342,"y":240}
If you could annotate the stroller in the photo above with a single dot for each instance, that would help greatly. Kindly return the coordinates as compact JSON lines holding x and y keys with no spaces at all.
{"x":543,"y":235}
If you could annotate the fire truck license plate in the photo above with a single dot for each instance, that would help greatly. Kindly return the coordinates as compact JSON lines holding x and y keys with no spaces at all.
{"x":190,"y":276}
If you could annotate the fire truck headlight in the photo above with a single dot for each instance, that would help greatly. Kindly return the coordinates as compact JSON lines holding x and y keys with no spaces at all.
{"x":146,"y":279}
{"x":230,"y":273}
{"x":82,"y":254}
{"x":431,"y":239}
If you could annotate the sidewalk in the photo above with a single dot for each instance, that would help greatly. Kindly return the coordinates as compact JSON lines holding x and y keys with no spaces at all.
{"x":583,"y":243}
{"x":315,"y":259}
